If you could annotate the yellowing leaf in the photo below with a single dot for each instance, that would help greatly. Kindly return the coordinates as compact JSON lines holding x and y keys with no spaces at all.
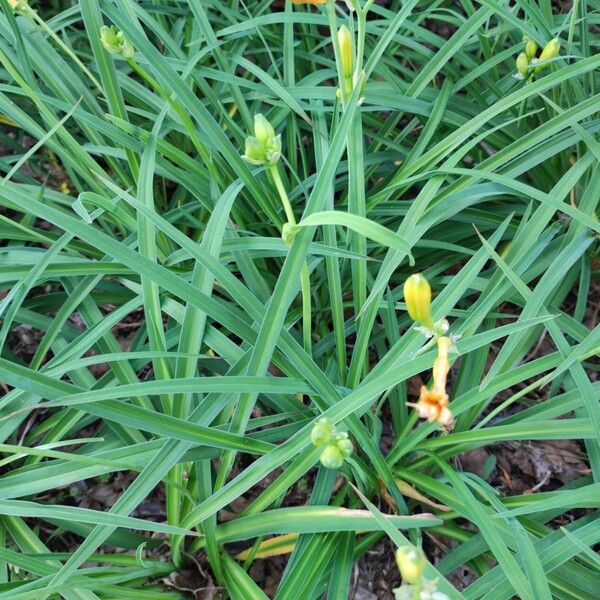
{"x":275,"y":546}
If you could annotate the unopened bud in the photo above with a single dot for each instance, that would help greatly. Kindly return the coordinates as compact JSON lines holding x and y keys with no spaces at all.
{"x":19,"y":6}
{"x":273,"y":150}
{"x":264,"y":147}
{"x":411,"y":563}
{"x":522,"y":65}
{"x":343,"y":443}
{"x":263,"y":130}
{"x":550,"y":51}
{"x":253,"y":151}
{"x":346,"y":51}
{"x":417,"y":296}
{"x":115,"y":42}
{"x":332,"y":457}
{"x":322,"y":432}
{"x":531,"y":48}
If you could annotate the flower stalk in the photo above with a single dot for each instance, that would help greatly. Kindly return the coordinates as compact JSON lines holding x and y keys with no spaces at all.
{"x":264,"y":148}
{"x":433,"y":402}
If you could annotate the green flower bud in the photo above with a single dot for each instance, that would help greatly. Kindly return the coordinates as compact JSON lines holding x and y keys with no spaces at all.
{"x":127,"y":49}
{"x":322,"y":430}
{"x":550,"y":51}
{"x":531,"y":48}
{"x":263,"y":130}
{"x":522,"y":66}
{"x":346,"y":51}
{"x":264,"y":147}
{"x":343,"y":443}
{"x":273,"y":150}
{"x":332,"y":457}
{"x":115,"y":42}
{"x":417,"y":296}
{"x":19,"y":6}
{"x":411,"y":563}
{"x":109,"y":39}
{"x":254,"y":152}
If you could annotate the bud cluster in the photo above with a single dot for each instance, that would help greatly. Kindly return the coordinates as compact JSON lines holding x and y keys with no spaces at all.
{"x":527,"y":59}
{"x":19,"y":6}
{"x":115,"y":42}
{"x":336,"y":445}
{"x":411,"y":563}
{"x":264,"y":147}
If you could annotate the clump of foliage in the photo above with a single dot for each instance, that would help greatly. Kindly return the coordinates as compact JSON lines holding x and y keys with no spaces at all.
{"x":214,"y":253}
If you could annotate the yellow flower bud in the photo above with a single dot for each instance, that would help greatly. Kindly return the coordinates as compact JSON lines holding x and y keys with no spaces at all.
{"x":411,"y":563}
{"x":522,"y":66}
{"x":550,"y":51}
{"x":417,"y":296}
{"x":531,"y":48}
{"x":346,"y":51}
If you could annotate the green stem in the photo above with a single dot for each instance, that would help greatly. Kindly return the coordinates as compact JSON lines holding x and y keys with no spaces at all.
{"x":287,"y":207}
{"x":305,"y":274}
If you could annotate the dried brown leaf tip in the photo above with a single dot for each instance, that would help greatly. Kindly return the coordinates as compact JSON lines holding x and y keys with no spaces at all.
{"x":309,"y":1}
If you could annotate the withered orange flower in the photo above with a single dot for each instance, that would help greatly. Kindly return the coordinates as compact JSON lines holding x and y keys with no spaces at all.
{"x":433,"y":406}
{"x":433,"y":403}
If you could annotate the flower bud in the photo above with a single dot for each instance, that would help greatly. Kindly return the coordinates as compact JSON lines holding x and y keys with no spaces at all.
{"x":253,"y":151}
{"x":263,"y":130}
{"x":115,"y":42}
{"x":332,"y":457}
{"x":417,"y":296}
{"x":322,"y":432}
{"x":343,"y":443}
{"x":19,"y":6}
{"x":108,"y":37}
{"x":522,"y":66}
{"x":264,"y":147}
{"x":346,"y":51}
{"x":531,"y":48}
{"x":550,"y":51}
{"x":127,"y":49}
{"x":273,"y":150}
{"x":411,"y":563}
